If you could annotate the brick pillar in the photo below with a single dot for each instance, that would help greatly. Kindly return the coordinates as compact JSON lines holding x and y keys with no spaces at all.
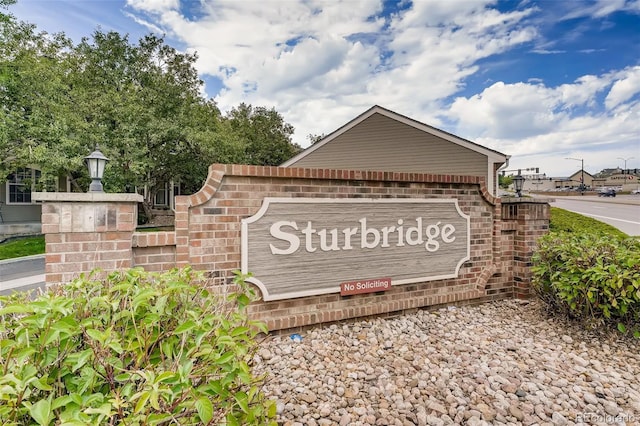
{"x":85,"y":231}
{"x":531,"y":217}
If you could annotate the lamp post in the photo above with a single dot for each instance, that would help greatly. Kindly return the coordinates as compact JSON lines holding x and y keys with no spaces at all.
{"x":518,"y":181}
{"x":624,"y":172}
{"x":95,"y":163}
{"x":581,"y":160}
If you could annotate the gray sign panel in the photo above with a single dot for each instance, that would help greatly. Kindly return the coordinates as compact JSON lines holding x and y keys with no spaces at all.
{"x":297,"y":247}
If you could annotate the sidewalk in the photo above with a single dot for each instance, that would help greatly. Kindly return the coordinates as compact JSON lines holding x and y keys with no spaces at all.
{"x":23,"y":284}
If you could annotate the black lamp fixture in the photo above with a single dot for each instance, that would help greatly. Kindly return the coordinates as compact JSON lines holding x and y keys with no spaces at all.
{"x":518,"y":181}
{"x":96,"y":162}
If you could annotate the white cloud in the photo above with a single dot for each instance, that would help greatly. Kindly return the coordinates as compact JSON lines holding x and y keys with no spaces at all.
{"x":530,"y":120}
{"x":508,"y":111}
{"x":583,"y":91}
{"x":625,"y":88}
{"x":321,"y":63}
{"x":154,"y":6}
{"x":320,"y":53}
{"x":633,"y":6}
{"x":548,"y":52}
{"x":599,"y":9}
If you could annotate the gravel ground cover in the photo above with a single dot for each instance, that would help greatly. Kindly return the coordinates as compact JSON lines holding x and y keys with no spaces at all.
{"x":498,"y":363}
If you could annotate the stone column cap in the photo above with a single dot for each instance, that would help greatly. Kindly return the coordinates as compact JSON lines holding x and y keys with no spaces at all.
{"x":91,"y":197}
{"x":526,"y":200}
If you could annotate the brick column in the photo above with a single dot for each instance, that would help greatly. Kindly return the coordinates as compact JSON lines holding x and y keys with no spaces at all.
{"x":531,"y":217}
{"x":85,"y":231}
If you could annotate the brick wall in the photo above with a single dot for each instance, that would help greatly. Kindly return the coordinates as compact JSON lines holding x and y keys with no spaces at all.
{"x":154,"y":251}
{"x":525,"y":220}
{"x":207,"y":236}
{"x":84,"y":232}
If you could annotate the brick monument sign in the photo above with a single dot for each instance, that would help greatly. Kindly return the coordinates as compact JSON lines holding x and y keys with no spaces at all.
{"x":323,"y":245}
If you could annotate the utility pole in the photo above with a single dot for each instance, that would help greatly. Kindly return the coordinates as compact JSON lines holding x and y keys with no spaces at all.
{"x":581,"y":160}
{"x":624,"y":172}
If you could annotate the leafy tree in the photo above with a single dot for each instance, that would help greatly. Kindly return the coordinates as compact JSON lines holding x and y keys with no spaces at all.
{"x":264,"y":135}
{"x":140,"y":103}
{"x":5,"y":3}
{"x":143,"y":102}
{"x":314,"y":139}
{"x":34,"y":99}
{"x":504,"y":181}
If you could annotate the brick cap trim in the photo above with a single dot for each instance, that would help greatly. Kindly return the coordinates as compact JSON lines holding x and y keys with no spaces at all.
{"x":217,"y":172}
{"x":526,"y":200}
{"x":88,"y":197}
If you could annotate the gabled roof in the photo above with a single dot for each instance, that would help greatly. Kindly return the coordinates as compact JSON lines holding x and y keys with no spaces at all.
{"x":376,"y":109}
{"x":579,"y":173}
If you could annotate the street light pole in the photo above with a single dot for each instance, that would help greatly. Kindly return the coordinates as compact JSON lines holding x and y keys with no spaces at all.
{"x":581,"y":160}
{"x":624,"y":172}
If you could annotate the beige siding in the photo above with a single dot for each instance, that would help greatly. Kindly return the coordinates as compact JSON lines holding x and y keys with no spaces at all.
{"x":577,"y":177}
{"x":18,"y":212}
{"x":381,"y":143}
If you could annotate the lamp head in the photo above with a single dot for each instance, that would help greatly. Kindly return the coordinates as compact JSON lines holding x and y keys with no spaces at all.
{"x":518,"y":182}
{"x":96,"y":162}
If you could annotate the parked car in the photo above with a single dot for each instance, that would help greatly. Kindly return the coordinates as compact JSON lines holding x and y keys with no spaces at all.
{"x":609,"y":192}
{"x":636,"y":191}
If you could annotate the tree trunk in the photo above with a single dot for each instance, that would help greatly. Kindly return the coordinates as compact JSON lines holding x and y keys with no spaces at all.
{"x":146,"y":207}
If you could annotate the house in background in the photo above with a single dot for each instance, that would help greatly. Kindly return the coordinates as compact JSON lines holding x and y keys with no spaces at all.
{"x":19,"y":214}
{"x":579,"y":178}
{"x":380,"y":139}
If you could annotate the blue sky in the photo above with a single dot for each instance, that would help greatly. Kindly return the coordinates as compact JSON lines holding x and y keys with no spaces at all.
{"x":538,"y":80}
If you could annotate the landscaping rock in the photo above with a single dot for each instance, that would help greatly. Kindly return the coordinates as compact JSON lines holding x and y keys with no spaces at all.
{"x":499,"y":363}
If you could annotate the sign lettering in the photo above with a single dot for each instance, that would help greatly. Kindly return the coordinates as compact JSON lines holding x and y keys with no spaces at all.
{"x":297,"y":247}
{"x":365,"y":286}
{"x":363,"y":236}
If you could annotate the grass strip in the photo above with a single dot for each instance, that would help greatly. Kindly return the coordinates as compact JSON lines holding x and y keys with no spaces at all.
{"x":20,"y":247}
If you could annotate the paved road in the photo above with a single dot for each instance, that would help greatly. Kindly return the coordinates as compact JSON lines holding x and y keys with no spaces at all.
{"x":622,"y":211}
{"x":25,"y":273}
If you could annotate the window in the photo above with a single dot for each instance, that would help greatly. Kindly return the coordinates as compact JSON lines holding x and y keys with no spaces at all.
{"x":20,"y":185}
{"x":160,"y":199}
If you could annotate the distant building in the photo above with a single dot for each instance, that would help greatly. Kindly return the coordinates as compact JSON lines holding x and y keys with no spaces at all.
{"x":542,"y":183}
{"x":607,"y":178}
{"x":617,"y":171}
{"x":622,"y":182}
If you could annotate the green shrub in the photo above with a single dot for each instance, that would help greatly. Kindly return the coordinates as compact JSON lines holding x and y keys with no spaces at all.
{"x":132,"y":349}
{"x":590,"y":276}
{"x":566,"y":221}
